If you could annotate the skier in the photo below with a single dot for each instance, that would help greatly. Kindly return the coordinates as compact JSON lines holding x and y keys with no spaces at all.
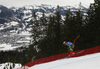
{"x":70,"y":46}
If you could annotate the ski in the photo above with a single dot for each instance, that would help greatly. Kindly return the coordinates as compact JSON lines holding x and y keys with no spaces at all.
{"x":74,"y":54}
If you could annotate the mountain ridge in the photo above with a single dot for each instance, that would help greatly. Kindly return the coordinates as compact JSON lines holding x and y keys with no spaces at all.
{"x":15,"y":22}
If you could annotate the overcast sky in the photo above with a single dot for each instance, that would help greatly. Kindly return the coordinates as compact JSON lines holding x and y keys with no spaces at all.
{"x":18,"y":3}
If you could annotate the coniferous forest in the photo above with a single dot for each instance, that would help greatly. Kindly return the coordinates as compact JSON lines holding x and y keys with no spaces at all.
{"x":48,"y":34}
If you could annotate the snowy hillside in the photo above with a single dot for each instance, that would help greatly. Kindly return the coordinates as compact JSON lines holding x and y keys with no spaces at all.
{"x":91,"y":61}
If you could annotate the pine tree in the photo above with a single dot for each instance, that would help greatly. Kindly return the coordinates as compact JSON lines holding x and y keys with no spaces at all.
{"x":46,"y":45}
{"x":35,"y":35}
{"x":78,"y":27}
{"x":92,"y":28}
{"x":97,"y":22}
{"x":35,"y":29}
{"x":67,"y":26}
{"x":50,"y":29}
{"x":51,"y":44}
{"x":43,"y":22}
{"x":57,"y":30}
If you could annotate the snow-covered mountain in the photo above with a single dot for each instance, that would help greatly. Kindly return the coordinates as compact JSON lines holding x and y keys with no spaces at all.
{"x":15,"y":23}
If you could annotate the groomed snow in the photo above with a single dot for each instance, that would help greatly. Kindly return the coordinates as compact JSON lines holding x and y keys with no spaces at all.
{"x":83,"y":62}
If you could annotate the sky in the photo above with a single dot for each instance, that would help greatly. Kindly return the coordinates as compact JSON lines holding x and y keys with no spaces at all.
{"x":19,"y":3}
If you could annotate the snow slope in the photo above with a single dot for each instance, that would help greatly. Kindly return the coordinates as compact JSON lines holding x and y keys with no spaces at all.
{"x":84,"y":62}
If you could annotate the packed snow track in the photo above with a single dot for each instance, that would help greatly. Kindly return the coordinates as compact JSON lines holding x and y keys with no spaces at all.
{"x":91,"y":61}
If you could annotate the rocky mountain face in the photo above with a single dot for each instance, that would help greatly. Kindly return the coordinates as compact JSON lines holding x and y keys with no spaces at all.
{"x":15,"y":22}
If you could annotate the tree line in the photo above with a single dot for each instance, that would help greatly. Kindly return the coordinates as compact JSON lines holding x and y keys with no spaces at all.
{"x":13,"y":56}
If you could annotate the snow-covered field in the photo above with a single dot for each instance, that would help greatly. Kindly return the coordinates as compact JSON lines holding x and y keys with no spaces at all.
{"x":84,"y":62}
{"x":14,"y":40}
